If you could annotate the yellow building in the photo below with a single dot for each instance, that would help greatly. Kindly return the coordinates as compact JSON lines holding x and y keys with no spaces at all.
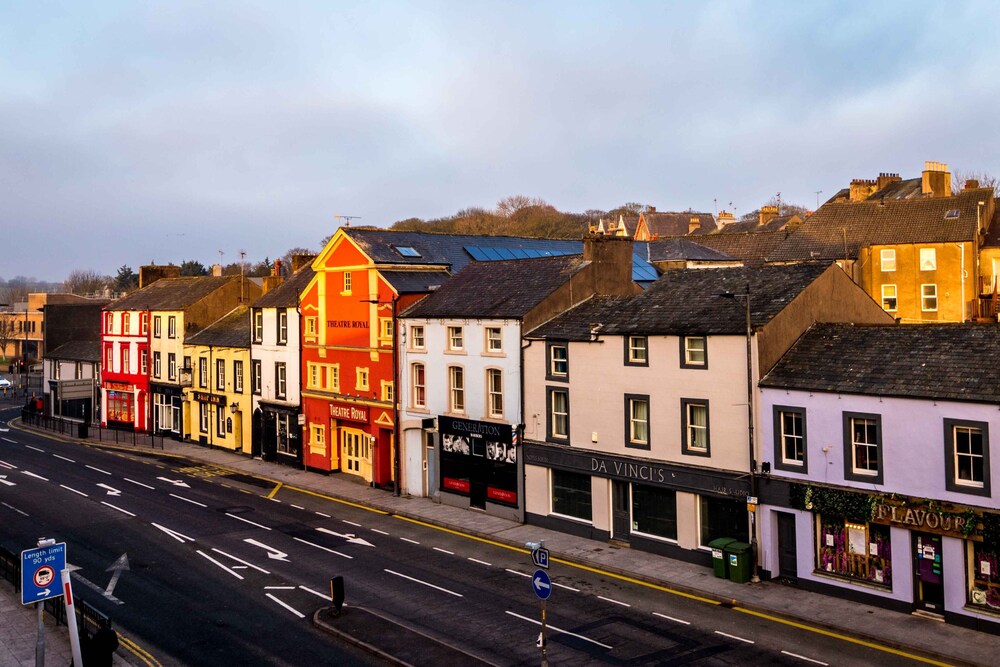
{"x":218,"y":404}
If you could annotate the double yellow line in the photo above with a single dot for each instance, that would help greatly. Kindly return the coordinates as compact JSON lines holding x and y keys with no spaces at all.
{"x":139,"y":652}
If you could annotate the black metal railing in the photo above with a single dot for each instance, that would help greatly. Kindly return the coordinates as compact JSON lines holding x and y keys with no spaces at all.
{"x":79,"y":429}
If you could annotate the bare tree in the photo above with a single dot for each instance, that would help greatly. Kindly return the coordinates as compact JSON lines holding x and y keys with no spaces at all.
{"x":85,"y":281}
{"x":7,"y":334}
{"x":508,"y":206}
{"x":986,"y":180}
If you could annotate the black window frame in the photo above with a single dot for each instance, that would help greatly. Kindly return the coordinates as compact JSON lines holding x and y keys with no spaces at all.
{"x":685,"y":445}
{"x":548,"y":415}
{"x":257,"y":332}
{"x":683,"y":352}
{"x":779,"y":445}
{"x":549,"y":346}
{"x":237,"y":376}
{"x":172,"y":326}
{"x":627,"y":348}
{"x":848,"y":435}
{"x":281,"y":339}
{"x":951,"y":481}
{"x":256,"y":376}
{"x":171,"y":366}
{"x":157,"y":327}
{"x":280,"y":387}
{"x":629,"y":442}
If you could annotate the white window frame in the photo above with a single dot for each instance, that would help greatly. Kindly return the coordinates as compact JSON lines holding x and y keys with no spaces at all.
{"x":282,"y":326}
{"x":886,"y":297}
{"x":418,"y":384}
{"x":494,"y":340}
{"x":417,"y":337}
{"x":456,"y":339}
{"x":171,"y":366}
{"x":238,"y":376}
{"x":887,"y":260}
{"x":172,"y":326}
{"x":973,"y":457}
{"x":690,"y":351}
{"x":494,"y":393}
{"x":456,"y":389}
{"x":637,"y":423}
{"x":926,"y":295}
{"x":157,"y":366}
{"x":258,"y":326}
{"x":203,"y":417}
{"x":638,"y":353}
{"x":928,"y":259}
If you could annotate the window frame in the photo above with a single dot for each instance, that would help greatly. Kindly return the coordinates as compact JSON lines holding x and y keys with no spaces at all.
{"x":237,"y":376}
{"x":157,"y":365}
{"x":362,"y":378}
{"x":455,"y":391}
{"x":894,"y":297}
{"x":489,"y":340}
{"x":172,"y":326}
{"x":924,"y":297}
{"x":850,"y":469}
{"x":282,"y":327}
{"x":550,"y":434}
{"x":256,"y":376}
{"x":887,"y":256}
{"x":582,"y":477}
{"x":932,"y":253}
{"x":418,"y":390}
{"x":630,"y":358}
{"x":220,"y":421}
{"x":220,"y":374}
{"x":492,"y":394}
{"x":451,"y":333}
{"x":171,"y":366}
{"x":550,"y":347}
{"x":157,"y":326}
{"x":348,"y":284}
{"x":203,"y":417}
{"x":952,"y":483}
{"x":685,"y":350}
{"x":417,"y":331}
{"x":280,"y":380}
{"x":630,"y":440}
{"x":258,"y":325}
{"x":686,"y":448}
{"x":780,"y":462}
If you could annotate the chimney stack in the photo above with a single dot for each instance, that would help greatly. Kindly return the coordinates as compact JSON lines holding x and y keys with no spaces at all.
{"x":298,"y":261}
{"x":885,"y":178}
{"x":151,"y":273}
{"x":936,"y":180}
{"x":725,"y":217}
{"x":694,"y":224}
{"x":767,"y":214}
{"x":862,"y":189}
{"x":217,"y":270}
{"x":972,"y":184}
{"x":612,"y":260}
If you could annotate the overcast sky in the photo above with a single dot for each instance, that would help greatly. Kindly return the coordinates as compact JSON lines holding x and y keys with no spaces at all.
{"x":138,"y":132}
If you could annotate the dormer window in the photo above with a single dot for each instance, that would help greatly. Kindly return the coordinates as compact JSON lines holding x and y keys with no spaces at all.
{"x":952,"y":214}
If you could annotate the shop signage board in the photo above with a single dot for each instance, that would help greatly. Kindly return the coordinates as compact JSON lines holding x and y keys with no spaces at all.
{"x":40,"y":568}
{"x":937,"y":517}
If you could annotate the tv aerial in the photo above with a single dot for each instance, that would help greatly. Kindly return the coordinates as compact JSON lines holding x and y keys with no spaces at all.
{"x":347,"y":219}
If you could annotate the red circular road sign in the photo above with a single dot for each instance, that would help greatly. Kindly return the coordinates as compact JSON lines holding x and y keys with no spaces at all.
{"x":44,"y":576}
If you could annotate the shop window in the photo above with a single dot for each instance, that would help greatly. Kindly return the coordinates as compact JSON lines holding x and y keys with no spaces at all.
{"x":889,"y":300}
{"x":637,"y":421}
{"x":654,"y":511}
{"x":863,"y":447}
{"x":418,"y":394}
{"x":985,"y":577}
{"x":928,"y":259}
{"x":417,"y":337}
{"x":888,"y":259}
{"x":928,"y":298}
{"x":456,"y":389}
{"x":967,"y":456}
{"x":494,"y":391}
{"x":557,"y":423}
{"x":571,"y":495}
{"x":281,"y":433}
{"x":694,"y":352}
{"x":636,"y":351}
{"x":723,"y":517}
{"x":694,"y":427}
{"x":557,"y":355}
{"x":855,"y":550}
{"x":790,"y":439}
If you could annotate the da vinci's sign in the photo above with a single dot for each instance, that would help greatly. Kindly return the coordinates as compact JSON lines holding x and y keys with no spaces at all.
{"x":937,"y":518}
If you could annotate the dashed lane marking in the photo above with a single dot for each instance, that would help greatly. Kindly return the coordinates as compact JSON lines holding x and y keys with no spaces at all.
{"x":324,"y":515}
{"x":11,"y":507}
{"x":671,"y":618}
{"x":624,"y":604}
{"x":380,"y":532}
{"x":429,"y":585}
{"x":64,"y":458}
{"x":188,"y":500}
{"x":351,"y":523}
{"x":115,"y":507}
{"x":37,"y":449}
{"x":80,"y":493}
{"x":739,"y":639}
{"x":560,"y":630}
{"x":147,"y":486}
{"x":569,"y":588}
{"x":239,"y":518}
{"x":406,"y":539}
{"x":316,"y":593}
{"x":516,"y":572}
{"x":481,"y":562}
{"x":802,"y":657}
{"x":298,"y":507}
{"x":444,"y":551}
{"x":103,"y":472}
{"x":215,"y":562}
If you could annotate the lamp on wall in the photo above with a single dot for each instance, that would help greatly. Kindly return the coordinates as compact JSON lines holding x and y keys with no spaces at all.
{"x":234,"y":407}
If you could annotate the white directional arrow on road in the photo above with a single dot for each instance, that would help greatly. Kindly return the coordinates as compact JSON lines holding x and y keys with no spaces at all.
{"x":31,"y":474}
{"x":180,"y":537}
{"x":112,"y":491}
{"x":175,"y":482}
{"x":116,"y":571}
{"x":272,"y":553}
{"x":3,"y":480}
{"x":347,"y":536}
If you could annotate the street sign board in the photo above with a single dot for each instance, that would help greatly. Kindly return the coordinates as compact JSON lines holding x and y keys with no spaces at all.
{"x":541,"y":584}
{"x":40,"y":568}
{"x":540,"y":557}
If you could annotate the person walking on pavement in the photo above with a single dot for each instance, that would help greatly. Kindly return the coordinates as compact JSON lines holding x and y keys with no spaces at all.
{"x":101,"y":646}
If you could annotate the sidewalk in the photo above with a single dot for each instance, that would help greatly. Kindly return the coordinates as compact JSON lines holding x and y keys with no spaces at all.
{"x":947,"y":643}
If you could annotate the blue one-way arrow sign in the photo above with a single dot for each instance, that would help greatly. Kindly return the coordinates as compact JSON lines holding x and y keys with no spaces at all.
{"x":541,"y":584}
{"x":40,"y":568}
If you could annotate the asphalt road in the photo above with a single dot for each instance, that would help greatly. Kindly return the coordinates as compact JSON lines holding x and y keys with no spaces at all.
{"x":222,"y":574}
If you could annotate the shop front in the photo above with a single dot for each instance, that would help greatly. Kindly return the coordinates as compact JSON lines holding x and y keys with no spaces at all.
{"x":167,"y":407}
{"x":362,"y":441}
{"x":120,"y":404}
{"x":277,"y":433}
{"x":479,"y":466}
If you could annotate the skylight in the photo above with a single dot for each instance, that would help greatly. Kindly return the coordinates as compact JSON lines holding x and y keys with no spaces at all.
{"x":952,"y":214}
{"x":407,"y":251}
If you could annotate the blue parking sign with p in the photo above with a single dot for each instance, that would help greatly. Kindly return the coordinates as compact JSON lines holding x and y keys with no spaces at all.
{"x":40,"y":571}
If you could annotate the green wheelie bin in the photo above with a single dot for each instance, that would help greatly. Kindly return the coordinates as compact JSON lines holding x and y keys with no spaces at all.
{"x":718,"y":547}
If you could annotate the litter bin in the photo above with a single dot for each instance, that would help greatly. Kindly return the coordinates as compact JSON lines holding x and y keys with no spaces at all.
{"x":718,"y":546}
{"x":738,"y":558}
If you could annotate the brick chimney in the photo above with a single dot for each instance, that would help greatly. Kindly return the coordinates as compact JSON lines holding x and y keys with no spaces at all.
{"x":298,"y":261}
{"x":936,"y":180}
{"x":972,"y":184}
{"x":694,"y":224}
{"x":862,"y":189}
{"x":725,"y":217}
{"x":611,"y":257}
{"x":885,"y":179}
{"x":151,"y":273}
{"x":217,"y":270}
{"x":767,"y":214}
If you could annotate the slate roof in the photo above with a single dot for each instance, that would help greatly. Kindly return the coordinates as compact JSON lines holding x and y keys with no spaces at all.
{"x":501,"y":289}
{"x":774,"y":224}
{"x":753,"y":248}
{"x":908,"y":189}
{"x":231,"y":330}
{"x":683,"y":249}
{"x":689,"y":301}
{"x":416,"y":282}
{"x":77,"y":350}
{"x":943,"y":361}
{"x":286,"y":295}
{"x":678,"y":223}
{"x":840,"y":228}
{"x":170,"y":293}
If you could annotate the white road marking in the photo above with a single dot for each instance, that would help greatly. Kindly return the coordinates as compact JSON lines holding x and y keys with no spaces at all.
{"x":516,"y":572}
{"x":351,"y":523}
{"x":104,"y":472}
{"x":289,"y":608}
{"x":560,"y":630}
{"x":74,"y":491}
{"x":671,"y":618}
{"x":274,"y":500}
{"x":240,"y":560}
{"x":175,"y":482}
{"x":802,"y":657}
{"x":112,"y":491}
{"x":37,"y":449}
{"x":180,"y":537}
{"x":380,"y":532}
{"x":13,"y":508}
{"x":481,"y":562}
{"x":444,"y":551}
{"x":9,"y":466}
{"x":316,"y":593}
{"x":3,"y":480}
{"x":624,"y":604}
{"x":31,"y":474}
{"x":94,"y":587}
{"x":147,"y":486}
{"x":569,"y":588}
{"x":246,"y":521}
{"x":64,"y":458}
{"x":187,"y":500}
{"x":406,"y":539}
{"x":318,"y":546}
{"x":349,"y":537}
{"x":212,"y":560}
{"x":9,"y":440}
{"x":443,"y":590}
{"x":272,"y":553}
{"x":326,"y":515}
{"x":117,"y":508}
{"x":279,"y":588}
{"x":739,"y":639}
{"x":298,"y":507}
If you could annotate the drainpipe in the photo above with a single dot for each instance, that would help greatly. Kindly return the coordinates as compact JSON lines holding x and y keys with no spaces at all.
{"x":395,"y":397}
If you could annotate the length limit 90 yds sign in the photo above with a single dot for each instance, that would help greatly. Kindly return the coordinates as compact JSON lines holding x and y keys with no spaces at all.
{"x":40,"y":570}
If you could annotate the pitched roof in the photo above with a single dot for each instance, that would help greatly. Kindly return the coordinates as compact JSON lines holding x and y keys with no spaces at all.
{"x":170,"y":293}
{"x":774,"y":224}
{"x":415,"y":282}
{"x":231,"y":330}
{"x":942,"y":361}
{"x":286,"y":295}
{"x":678,"y":223}
{"x":501,"y":289}
{"x":841,"y":228}
{"x":683,"y":249}
{"x":754,"y":247}
{"x":77,"y":350}
{"x":689,"y":301}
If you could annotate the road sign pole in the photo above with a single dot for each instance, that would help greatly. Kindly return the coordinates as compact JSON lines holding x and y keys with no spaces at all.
{"x":74,"y":632}
{"x":40,"y":605}
{"x":545,"y":640}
